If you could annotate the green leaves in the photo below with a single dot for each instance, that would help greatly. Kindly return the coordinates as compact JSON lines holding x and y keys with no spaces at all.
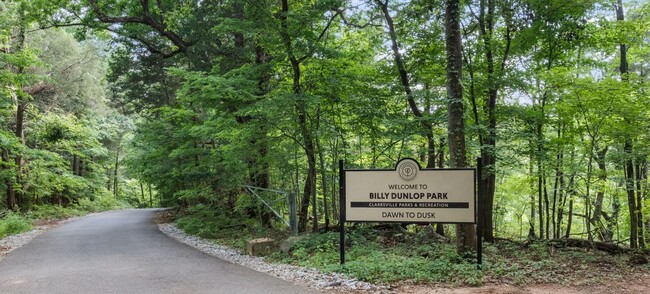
{"x":217,"y":100}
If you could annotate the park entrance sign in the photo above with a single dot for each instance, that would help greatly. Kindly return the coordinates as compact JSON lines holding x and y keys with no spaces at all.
{"x":410,"y":194}
{"x":407,"y":194}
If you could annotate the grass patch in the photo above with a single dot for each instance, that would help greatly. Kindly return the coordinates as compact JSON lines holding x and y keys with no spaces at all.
{"x":13,"y":224}
{"x":53,"y":212}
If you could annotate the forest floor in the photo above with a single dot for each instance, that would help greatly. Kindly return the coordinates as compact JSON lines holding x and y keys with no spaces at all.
{"x":536,"y":289}
{"x":412,"y":262}
{"x":568,"y":270}
{"x":637,"y":283}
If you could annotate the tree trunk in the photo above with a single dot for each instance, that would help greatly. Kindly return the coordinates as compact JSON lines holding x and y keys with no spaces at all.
{"x":547,"y":210}
{"x":531,"y":222}
{"x":117,"y":165}
{"x":540,"y":179}
{"x":602,"y":231}
{"x":639,"y":203}
{"x":81,"y":167}
{"x":75,"y":166}
{"x":440,"y":228}
{"x":20,"y":133}
{"x":570,"y":194}
{"x":588,"y":195}
{"x":310,"y":182}
{"x":323,"y":176}
{"x":11,"y":194}
{"x":488,"y":147}
{"x":564,"y":194}
{"x":561,"y":200}
{"x":465,"y":233}
{"x":142,"y":191}
{"x":612,"y":223}
{"x":309,"y":191}
{"x":581,"y":243}
{"x":556,"y":183}
{"x":258,"y":168}
{"x":628,"y":146}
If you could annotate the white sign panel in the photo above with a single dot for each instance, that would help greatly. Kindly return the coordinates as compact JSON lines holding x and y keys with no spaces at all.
{"x":408,"y":194}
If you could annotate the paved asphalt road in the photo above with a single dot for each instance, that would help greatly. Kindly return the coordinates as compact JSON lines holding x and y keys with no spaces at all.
{"x":123,"y":252}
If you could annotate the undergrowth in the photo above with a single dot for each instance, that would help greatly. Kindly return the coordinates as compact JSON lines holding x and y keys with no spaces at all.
{"x":394,"y":256}
{"x":379,"y":259}
{"x":226,"y":227}
{"x":14,"y":223}
{"x":394,"y":259}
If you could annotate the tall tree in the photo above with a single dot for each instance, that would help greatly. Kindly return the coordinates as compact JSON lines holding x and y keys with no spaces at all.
{"x":465,"y":234}
{"x":496,"y":56}
{"x":287,"y":34}
{"x":634,"y":206}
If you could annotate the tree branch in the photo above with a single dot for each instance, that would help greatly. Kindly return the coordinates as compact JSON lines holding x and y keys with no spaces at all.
{"x":320,"y":36}
{"x":399,"y":62}
{"x":147,"y":20}
{"x":354,"y":25}
{"x":36,"y":89}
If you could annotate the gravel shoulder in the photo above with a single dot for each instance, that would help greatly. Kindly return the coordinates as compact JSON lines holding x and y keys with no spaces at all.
{"x":328,"y":282}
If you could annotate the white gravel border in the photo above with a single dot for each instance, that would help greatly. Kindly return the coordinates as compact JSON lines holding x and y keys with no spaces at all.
{"x":306,"y":276}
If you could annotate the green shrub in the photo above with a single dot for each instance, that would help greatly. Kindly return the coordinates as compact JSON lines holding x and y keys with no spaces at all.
{"x":374,"y":258}
{"x":13,"y":224}
{"x":228,"y":227}
{"x":201,"y":221}
{"x":101,"y":204}
{"x":50,"y":212}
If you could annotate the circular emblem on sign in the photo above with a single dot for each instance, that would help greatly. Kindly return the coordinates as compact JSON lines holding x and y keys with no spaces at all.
{"x":407,"y":169}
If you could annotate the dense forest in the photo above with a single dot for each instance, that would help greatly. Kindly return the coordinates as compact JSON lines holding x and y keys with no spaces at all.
{"x":184,"y":103}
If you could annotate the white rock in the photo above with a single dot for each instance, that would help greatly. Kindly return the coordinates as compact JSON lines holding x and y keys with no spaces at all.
{"x":311,"y":277}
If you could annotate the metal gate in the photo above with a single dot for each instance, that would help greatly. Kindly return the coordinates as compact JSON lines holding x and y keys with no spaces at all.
{"x":288,"y":209}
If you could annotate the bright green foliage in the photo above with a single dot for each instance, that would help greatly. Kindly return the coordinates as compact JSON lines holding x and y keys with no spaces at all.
{"x":197,"y":98}
{"x":13,"y":223}
{"x":52,"y":87}
{"x":53,"y":212}
{"x":212,"y":124}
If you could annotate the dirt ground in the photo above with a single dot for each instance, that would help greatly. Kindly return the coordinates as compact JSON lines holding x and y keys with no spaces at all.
{"x":639,"y":283}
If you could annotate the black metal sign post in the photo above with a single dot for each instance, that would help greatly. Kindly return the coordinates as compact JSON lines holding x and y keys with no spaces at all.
{"x":479,"y":215}
{"x":342,"y":211}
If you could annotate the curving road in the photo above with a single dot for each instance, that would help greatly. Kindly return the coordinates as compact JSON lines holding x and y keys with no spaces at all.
{"x":123,"y":252}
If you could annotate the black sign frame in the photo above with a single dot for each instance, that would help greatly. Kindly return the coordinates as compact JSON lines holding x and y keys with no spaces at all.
{"x":478,"y":205}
